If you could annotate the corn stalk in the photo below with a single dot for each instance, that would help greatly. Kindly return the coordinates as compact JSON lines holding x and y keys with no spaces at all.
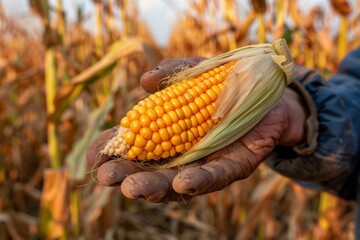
{"x":342,"y":38}
{"x":51,"y":89}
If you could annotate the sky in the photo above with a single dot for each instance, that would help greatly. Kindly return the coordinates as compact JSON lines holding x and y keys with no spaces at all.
{"x":160,"y":15}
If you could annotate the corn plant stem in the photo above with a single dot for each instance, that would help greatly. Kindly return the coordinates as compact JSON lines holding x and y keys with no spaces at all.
{"x":280,"y":11}
{"x":232,"y":41}
{"x":61,"y":21}
{"x":324,"y":205}
{"x":243,"y":215}
{"x":2,"y":174}
{"x":98,"y":27}
{"x":322,"y":60}
{"x":50,"y":87}
{"x":110,"y":23}
{"x":309,"y":61}
{"x":261,"y":29}
{"x":124,"y":18}
{"x":342,"y":39}
{"x":75,"y":211}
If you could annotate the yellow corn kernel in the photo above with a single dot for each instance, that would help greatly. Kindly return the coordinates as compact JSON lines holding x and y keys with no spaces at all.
{"x":159,"y":111}
{"x":210,"y":109}
{"x":167,"y":119}
{"x":203,"y":86}
{"x":146,"y":133}
{"x":193,"y":92}
{"x":208,"y":83}
{"x":176,"y":140}
{"x":195,"y":131}
{"x":205,"y":113}
{"x":142,"y":156}
{"x":129,"y":138}
{"x":158,"y":150}
{"x":164,"y":134}
{"x":125,"y":122}
{"x":170,"y":93}
{"x":175,"y":102}
{"x":164,"y":97}
{"x":177,"y":92}
{"x":165,"y":154}
{"x":174,"y":117}
{"x":199,"y":90}
{"x":194,"y":108}
{"x":156,"y":138}
{"x":140,"y":109}
{"x":150,"y":156}
{"x":187,"y":111}
{"x":180,"y":113}
{"x":136,"y":150}
{"x":205,"y":98}
{"x":153,"y":126}
{"x":205,"y":127}
{"x":158,"y":101}
{"x":184,"y":137}
{"x":166,"y":145}
{"x":144,"y":121}
{"x":191,"y":136}
{"x":150,"y":146}
{"x":140,"y":141}
{"x":168,"y":106}
{"x":151,"y":113}
{"x":133,"y":115}
{"x":188,"y":145}
{"x":160,"y":122}
{"x":135,"y":126}
{"x":199,"y":102}
{"x":182,"y":101}
{"x":150,"y":104}
{"x":194,"y":122}
{"x":201,"y":131}
{"x":180,"y":148}
{"x":170,"y":131}
{"x":176,"y":128}
{"x":199,"y":117}
{"x":187,"y":124}
{"x":131,"y":154}
{"x":172,"y":151}
{"x":216,"y":88}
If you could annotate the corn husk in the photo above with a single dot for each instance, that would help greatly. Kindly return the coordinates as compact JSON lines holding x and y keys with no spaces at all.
{"x":257,"y":82}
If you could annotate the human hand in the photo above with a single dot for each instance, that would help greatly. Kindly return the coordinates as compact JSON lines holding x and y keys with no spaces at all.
{"x":284,"y":125}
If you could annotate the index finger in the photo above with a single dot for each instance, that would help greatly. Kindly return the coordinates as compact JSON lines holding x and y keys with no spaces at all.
{"x":151,"y":81}
{"x":93,"y":155}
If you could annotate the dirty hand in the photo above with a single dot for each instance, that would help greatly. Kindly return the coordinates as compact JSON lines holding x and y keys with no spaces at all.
{"x":283,"y":125}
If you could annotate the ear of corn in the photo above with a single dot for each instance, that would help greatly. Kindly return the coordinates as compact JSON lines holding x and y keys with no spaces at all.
{"x":206,"y":107}
{"x":170,"y":121}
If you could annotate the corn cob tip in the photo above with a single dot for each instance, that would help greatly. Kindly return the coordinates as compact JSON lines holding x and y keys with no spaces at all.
{"x":117,"y":146}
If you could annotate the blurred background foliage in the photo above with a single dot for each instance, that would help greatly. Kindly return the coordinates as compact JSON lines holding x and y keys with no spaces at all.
{"x":63,"y":86}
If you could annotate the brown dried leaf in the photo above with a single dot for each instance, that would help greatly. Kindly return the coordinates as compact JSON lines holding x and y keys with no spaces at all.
{"x":341,"y":6}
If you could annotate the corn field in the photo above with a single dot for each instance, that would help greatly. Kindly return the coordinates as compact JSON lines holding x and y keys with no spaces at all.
{"x":61,"y":87}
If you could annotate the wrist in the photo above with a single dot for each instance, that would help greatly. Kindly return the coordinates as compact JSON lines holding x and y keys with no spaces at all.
{"x":295,"y":131}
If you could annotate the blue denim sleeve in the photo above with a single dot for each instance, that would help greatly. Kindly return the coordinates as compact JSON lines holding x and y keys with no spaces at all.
{"x":333,"y":162}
